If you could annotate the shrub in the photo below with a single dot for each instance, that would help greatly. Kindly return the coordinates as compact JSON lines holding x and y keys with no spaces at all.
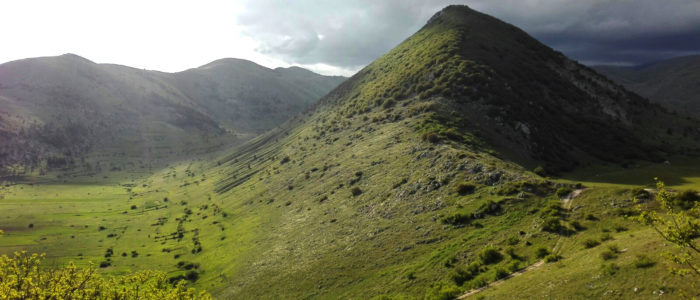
{"x":552,"y":258}
{"x":513,"y":240}
{"x":430,"y":137}
{"x":192,"y":276}
{"x":686,"y":199}
{"x":410,"y":276}
{"x":643,"y":261}
{"x":490,"y":255}
{"x":465,"y":189}
{"x":608,"y":255}
{"x":590,"y":243}
{"x":456,"y":219}
{"x":514,"y":266}
{"x":539,"y":170}
{"x":577,"y":226}
{"x":552,"y":224}
{"x":541,"y":252}
{"x":620,"y":228}
{"x":610,"y":269}
{"x":459,"y":276}
{"x":501,"y":273}
{"x":563,"y":192}
{"x":441,"y":292}
{"x":356,"y":191}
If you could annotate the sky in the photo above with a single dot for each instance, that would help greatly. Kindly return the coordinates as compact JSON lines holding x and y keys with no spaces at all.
{"x":331,"y":37}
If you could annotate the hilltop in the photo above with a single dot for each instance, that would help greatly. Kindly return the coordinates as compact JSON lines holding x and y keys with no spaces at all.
{"x":56,"y":112}
{"x":672,"y":83}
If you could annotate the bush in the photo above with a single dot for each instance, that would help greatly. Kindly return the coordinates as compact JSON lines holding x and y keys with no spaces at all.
{"x":440,"y":292}
{"x":456,"y":219}
{"x":686,"y":199}
{"x":590,"y":243}
{"x":541,"y":252}
{"x":643,"y":261}
{"x":539,"y":170}
{"x":514,"y":266}
{"x":430,"y":137}
{"x":552,"y":258}
{"x":610,"y":269}
{"x":501,"y":273}
{"x":465,"y":189}
{"x":459,"y":276}
{"x":356,"y":191}
{"x":490,"y":255}
{"x":563,"y":192}
{"x":553,"y":225}
{"x":513,"y":240}
{"x":577,"y":226}
{"x":620,"y":228}
{"x":608,"y":255}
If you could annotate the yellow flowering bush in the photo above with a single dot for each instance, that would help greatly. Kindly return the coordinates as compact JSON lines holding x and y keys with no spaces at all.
{"x":22,"y":277}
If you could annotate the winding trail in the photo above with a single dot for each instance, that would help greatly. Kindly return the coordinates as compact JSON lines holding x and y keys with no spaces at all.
{"x":566,"y":201}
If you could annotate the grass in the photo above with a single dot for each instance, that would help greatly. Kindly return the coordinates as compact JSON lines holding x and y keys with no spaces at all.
{"x":369,"y":197}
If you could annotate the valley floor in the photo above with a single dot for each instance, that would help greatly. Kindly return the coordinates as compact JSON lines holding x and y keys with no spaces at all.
{"x":174,"y":218}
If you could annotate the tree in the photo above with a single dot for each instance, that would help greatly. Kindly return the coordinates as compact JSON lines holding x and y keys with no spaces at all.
{"x":678,"y":226}
{"x":23,"y":277}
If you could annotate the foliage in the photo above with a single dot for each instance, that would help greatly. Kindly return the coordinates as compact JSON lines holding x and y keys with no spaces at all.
{"x":490,"y":255}
{"x":590,"y":243}
{"x":563,"y":192}
{"x":23,"y":277}
{"x":680,"y":227}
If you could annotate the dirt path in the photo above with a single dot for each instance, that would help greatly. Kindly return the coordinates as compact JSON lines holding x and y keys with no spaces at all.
{"x":566,"y":201}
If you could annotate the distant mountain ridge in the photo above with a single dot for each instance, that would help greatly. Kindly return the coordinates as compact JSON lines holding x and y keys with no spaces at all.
{"x":55,"y":110}
{"x":674,"y":83}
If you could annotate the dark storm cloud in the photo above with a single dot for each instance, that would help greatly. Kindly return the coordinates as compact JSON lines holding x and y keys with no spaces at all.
{"x":350,"y":34}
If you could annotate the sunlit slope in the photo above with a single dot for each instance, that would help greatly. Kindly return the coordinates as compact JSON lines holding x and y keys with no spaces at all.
{"x":69,"y":113}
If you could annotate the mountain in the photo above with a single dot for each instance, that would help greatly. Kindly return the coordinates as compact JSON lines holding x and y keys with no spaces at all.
{"x":410,"y":180}
{"x":674,"y":83}
{"x":401,"y":179}
{"x":57,"y":111}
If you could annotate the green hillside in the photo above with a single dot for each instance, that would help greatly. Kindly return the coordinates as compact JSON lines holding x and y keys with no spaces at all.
{"x":69,"y":113}
{"x":674,"y":83}
{"x":413,"y":179}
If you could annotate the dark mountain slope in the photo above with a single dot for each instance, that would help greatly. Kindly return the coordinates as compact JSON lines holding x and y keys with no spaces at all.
{"x":674,"y":83}
{"x":56,"y":111}
{"x":493,"y":80}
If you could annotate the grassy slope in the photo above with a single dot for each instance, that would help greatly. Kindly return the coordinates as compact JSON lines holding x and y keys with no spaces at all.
{"x":277,"y":218}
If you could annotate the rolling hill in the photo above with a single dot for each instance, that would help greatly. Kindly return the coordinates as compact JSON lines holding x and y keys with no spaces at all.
{"x":410,"y":180}
{"x":57,"y":111}
{"x":674,"y":83}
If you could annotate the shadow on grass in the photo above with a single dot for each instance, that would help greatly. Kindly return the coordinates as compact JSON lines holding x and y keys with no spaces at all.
{"x":677,"y":172}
